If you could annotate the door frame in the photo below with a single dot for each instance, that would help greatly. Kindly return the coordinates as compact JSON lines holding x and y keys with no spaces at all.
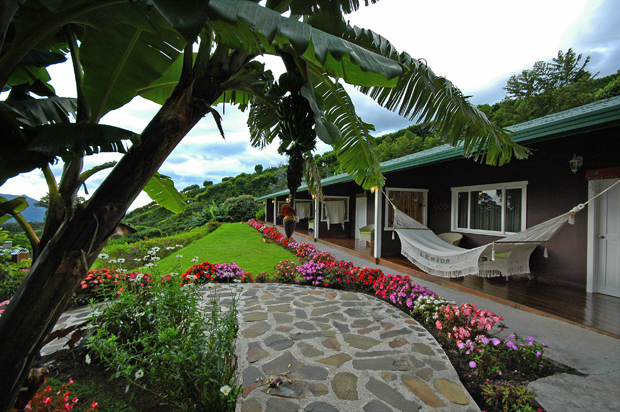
{"x":594,"y":188}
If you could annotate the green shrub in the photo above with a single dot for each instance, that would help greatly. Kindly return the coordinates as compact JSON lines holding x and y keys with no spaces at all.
{"x":507,"y":396}
{"x":241,"y":208}
{"x":260,"y":215}
{"x":162,"y":340}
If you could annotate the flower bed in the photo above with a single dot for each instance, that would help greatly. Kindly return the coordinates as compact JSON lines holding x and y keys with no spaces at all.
{"x":463,"y":330}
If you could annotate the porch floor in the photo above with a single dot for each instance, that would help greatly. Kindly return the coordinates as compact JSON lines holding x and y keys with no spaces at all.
{"x":570,"y":304}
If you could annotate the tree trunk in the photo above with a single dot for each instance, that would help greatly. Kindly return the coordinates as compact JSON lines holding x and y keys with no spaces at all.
{"x":68,"y":255}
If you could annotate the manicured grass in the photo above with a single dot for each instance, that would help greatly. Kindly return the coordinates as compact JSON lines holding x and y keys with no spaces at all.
{"x":232,"y":242}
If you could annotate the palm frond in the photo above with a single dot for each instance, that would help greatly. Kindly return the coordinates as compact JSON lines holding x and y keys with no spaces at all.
{"x":422,"y":96}
{"x":355,"y":149}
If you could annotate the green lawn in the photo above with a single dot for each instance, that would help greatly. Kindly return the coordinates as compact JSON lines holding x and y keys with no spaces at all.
{"x":232,"y":242}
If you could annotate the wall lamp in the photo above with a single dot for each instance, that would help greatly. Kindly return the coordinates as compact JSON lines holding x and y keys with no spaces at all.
{"x":575,"y":163}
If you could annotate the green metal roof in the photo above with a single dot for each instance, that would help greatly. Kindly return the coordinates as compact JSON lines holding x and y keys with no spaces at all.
{"x":593,"y":116}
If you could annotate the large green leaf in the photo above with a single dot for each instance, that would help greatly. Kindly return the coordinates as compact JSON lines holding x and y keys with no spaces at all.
{"x":79,"y":139}
{"x":20,"y":120}
{"x":187,"y":16}
{"x":310,"y":7}
{"x":29,"y":112}
{"x":251,"y":27}
{"x":122,"y":60}
{"x":10,"y":208}
{"x":161,"y":189}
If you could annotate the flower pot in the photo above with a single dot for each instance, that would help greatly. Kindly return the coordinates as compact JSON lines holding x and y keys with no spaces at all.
{"x":289,"y":225}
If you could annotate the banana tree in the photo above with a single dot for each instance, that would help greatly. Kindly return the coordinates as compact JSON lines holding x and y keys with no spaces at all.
{"x":131,"y":48}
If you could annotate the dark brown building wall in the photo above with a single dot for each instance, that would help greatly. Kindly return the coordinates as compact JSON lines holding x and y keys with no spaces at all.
{"x":552,"y":190}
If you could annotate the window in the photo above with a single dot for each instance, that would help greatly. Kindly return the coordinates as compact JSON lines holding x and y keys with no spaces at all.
{"x":496,"y":209}
{"x":412,"y":202}
{"x":342,"y":210}
{"x":304,"y":208}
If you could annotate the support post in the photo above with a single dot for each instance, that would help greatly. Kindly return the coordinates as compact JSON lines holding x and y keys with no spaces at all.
{"x":317,"y":221}
{"x":378,"y":224}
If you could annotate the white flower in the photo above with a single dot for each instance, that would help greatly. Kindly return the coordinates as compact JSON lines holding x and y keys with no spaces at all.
{"x":156,"y":259}
{"x":174,"y":274}
{"x":237,"y":280}
{"x":87,"y":359}
{"x":151,"y":252}
{"x":155,"y":249}
{"x":104,"y":256}
{"x":170,"y":248}
{"x":139,"y":374}
{"x":209,"y":285}
{"x":179,"y":245}
{"x":149,"y":265}
{"x":179,"y":256}
{"x":195,"y":259}
{"x":112,"y":261}
{"x":137,"y":259}
{"x":120,"y":260}
{"x":225,"y":390}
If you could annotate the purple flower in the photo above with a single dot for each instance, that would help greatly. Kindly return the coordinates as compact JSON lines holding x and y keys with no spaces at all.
{"x":512,"y":335}
{"x":511,"y":345}
{"x":538,"y":353}
{"x":472,"y":364}
{"x":496,"y":341}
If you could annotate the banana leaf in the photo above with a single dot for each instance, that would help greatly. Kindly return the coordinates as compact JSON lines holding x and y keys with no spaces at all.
{"x":161,"y":190}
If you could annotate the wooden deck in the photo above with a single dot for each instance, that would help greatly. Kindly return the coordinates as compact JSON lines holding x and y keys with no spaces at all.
{"x":593,"y":311}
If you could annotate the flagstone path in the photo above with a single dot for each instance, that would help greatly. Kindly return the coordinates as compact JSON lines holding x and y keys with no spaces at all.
{"x":335,"y":351}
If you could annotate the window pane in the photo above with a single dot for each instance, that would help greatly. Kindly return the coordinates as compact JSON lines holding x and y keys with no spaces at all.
{"x":486,"y":210}
{"x":462,"y":210}
{"x":513,"y":210}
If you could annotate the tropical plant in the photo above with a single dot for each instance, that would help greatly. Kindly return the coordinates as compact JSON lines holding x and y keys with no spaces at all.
{"x":241,"y":208}
{"x":123,"y":49}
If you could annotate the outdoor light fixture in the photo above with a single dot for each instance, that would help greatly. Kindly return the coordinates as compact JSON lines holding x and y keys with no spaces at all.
{"x":288,"y":199}
{"x":575,"y":163}
{"x":374,"y":189}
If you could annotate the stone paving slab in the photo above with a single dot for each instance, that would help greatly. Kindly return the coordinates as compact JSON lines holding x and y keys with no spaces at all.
{"x":333,"y":356}
{"x":338,"y":351}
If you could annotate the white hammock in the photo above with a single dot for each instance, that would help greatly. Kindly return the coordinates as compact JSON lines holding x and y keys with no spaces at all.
{"x":505,"y":257}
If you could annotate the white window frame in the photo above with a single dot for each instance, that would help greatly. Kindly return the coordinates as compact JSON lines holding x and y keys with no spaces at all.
{"x":503,"y":186}
{"x":388,"y":205}
{"x":327,"y":198}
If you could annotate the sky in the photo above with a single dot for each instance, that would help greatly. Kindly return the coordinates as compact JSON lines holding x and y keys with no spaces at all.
{"x":476,"y":44}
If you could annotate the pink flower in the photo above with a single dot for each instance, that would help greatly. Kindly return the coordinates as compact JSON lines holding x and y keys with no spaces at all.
{"x":438,"y":324}
{"x":472,"y":364}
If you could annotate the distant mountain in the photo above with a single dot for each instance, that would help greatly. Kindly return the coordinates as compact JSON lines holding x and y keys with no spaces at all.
{"x":32,"y":213}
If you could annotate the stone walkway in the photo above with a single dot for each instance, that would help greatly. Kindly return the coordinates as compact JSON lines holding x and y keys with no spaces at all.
{"x":338,"y":351}
{"x":334,"y":350}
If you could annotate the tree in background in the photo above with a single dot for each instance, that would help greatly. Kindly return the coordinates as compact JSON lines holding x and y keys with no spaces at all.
{"x":549,"y":88}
